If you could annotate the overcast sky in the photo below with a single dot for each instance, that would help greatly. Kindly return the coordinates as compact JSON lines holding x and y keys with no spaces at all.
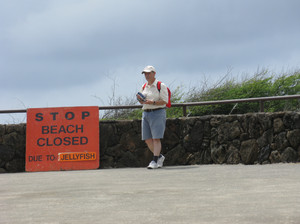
{"x":65,"y":52}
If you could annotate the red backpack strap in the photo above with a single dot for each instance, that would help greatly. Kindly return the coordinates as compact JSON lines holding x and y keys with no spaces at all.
{"x":144,"y":86}
{"x":169,"y":94}
{"x":158,"y":85}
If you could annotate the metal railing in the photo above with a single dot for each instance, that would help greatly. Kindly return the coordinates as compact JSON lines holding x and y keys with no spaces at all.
{"x":184,"y":106}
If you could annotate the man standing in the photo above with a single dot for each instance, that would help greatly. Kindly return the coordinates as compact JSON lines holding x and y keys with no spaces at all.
{"x":154,"y":115}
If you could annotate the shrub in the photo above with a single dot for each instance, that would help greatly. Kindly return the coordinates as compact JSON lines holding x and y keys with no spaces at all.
{"x":262,"y":84}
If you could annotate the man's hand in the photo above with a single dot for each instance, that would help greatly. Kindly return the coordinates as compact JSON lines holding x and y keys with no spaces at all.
{"x":149,"y":102}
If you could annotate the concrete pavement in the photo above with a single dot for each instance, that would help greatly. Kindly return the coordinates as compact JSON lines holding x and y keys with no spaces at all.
{"x":181,"y":194}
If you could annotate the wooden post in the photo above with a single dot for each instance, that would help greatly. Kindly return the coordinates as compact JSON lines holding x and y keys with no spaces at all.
{"x":261,"y":104}
{"x":184,"y":111}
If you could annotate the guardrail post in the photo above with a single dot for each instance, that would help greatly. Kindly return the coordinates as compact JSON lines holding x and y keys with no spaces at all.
{"x":262,"y":106}
{"x":184,"y":110}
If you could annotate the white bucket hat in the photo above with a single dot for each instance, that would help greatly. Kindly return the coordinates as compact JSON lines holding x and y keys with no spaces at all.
{"x":149,"y":68}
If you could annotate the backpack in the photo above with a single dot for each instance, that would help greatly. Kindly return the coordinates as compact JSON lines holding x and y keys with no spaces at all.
{"x":158,"y":88}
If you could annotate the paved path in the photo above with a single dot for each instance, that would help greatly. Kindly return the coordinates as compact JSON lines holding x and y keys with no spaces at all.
{"x":183,"y":194}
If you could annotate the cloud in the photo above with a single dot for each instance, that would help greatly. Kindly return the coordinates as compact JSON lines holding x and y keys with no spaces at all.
{"x":63,"y":45}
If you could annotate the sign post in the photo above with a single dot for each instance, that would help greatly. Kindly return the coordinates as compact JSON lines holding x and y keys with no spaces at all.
{"x":63,"y":138}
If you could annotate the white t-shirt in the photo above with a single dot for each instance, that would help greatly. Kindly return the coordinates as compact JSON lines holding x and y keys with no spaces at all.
{"x":151,"y":93}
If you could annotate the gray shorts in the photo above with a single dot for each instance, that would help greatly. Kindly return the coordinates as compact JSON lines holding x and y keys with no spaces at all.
{"x":153,"y":124}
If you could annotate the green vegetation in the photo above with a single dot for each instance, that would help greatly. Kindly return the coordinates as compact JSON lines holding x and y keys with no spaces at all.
{"x":262,"y":84}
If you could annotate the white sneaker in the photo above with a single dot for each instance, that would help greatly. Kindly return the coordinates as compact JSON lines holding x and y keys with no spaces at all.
{"x":160,"y":161}
{"x":152,"y":165}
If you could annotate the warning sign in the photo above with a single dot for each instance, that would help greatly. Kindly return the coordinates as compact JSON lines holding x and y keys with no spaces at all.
{"x":64,"y":138}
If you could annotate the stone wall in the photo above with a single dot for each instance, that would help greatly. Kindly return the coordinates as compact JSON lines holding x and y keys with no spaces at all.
{"x":12,"y":148}
{"x":248,"y":139}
